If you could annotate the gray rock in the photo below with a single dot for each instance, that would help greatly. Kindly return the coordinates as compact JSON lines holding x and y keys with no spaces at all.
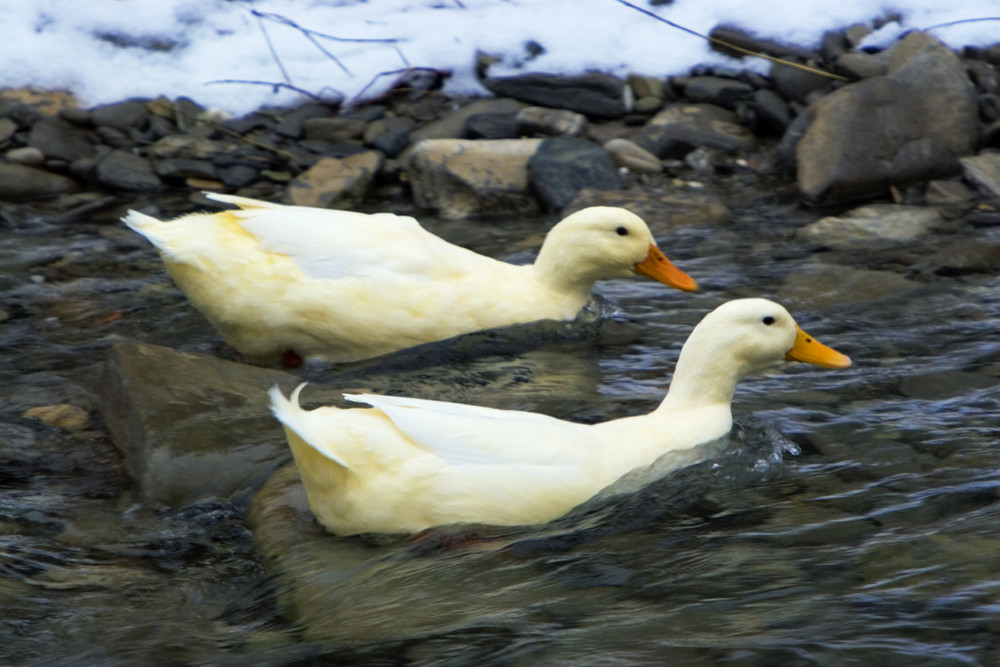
{"x":59,"y":140}
{"x":945,"y":384}
{"x":7,"y":129}
{"x":122,"y":116}
{"x":909,"y":126}
{"x":189,"y":426}
{"x":492,"y":126}
{"x":332,"y":182}
{"x":879,"y":223}
{"x":333,"y":129}
{"x":862,"y":65}
{"x":128,"y":171}
{"x":237,"y":175}
{"x":19,"y":181}
{"x":797,"y":84}
{"x":773,"y":112}
{"x":730,"y":34}
{"x":27,"y":155}
{"x":680,"y":128}
{"x":182,"y":168}
{"x":820,"y":286}
{"x":292,"y":124}
{"x":722,"y":92}
{"x":551,"y":122}
{"x":596,"y":95}
{"x":563,"y":166}
{"x":625,"y":153}
{"x":980,"y":254}
{"x":947,"y":192}
{"x":452,"y":126}
{"x":460,"y":178}
{"x":984,"y":172}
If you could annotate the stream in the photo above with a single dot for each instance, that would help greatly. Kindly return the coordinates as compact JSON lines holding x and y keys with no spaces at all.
{"x":854,"y":517}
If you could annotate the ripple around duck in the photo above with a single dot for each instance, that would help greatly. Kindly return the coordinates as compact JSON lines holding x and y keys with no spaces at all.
{"x":851,"y":517}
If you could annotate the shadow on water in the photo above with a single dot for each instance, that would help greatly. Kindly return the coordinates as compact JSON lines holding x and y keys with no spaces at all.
{"x":850,"y":518}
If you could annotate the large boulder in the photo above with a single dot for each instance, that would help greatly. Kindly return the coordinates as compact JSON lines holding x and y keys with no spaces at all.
{"x":461,"y":178}
{"x":908,"y":126}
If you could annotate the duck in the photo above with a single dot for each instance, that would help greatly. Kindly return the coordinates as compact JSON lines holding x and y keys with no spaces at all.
{"x":295,"y":282}
{"x":405,"y":465}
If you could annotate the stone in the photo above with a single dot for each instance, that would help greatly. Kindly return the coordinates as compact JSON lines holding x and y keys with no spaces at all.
{"x":980,"y":254}
{"x":128,"y":171}
{"x":947,"y":192}
{"x":27,"y":155}
{"x":628,"y":155}
{"x":680,"y":128}
{"x":885,"y":223}
{"x":492,"y":126}
{"x":551,"y":122}
{"x":888,"y":131}
{"x":7,"y":129}
{"x":724,"y":34}
{"x":821,"y":285}
{"x":191,"y":427}
{"x":237,"y":175}
{"x":722,"y":92}
{"x":333,"y":129}
{"x":983,"y":171}
{"x":773,"y":112}
{"x":862,"y":65}
{"x":452,"y":126}
{"x":121,"y":116}
{"x":662,"y":208}
{"x":335,"y":181}
{"x":19,"y":181}
{"x":181,"y":168}
{"x":596,"y":94}
{"x":562,"y":166}
{"x":292,"y":124}
{"x":945,"y":384}
{"x":797,"y":84}
{"x":64,"y":416}
{"x":648,"y":86}
{"x":59,"y":140}
{"x":459,"y":178}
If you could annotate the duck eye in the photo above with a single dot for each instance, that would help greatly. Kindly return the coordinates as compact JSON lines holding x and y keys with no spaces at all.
{"x":768,"y":320}
{"x":621,"y":231}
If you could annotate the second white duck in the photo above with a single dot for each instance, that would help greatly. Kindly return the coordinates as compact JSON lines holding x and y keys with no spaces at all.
{"x":409,"y":464}
{"x":345,"y":286}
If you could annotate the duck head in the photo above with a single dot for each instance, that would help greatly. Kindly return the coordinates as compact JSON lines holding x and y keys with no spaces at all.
{"x":604,"y":242}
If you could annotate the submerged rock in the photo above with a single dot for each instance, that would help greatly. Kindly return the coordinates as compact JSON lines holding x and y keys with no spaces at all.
{"x":189,"y":426}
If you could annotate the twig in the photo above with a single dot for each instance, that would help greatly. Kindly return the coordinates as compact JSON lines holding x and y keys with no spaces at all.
{"x":397,"y":72}
{"x":734,"y":47}
{"x":270,"y":45}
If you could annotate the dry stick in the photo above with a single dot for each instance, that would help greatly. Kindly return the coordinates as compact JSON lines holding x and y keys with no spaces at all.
{"x":738,"y":49}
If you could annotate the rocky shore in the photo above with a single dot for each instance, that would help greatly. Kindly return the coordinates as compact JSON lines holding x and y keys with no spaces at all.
{"x":916,"y":122}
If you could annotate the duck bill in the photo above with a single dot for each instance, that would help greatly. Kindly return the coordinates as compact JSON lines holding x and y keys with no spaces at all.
{"x":811,"y":351}
{"x":658,"y":267}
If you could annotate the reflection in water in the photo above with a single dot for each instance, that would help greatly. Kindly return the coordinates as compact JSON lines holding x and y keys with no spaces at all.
{"x":851,"y":517}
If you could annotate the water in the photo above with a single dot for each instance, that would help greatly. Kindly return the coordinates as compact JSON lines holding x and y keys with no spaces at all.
{"x":852,"y":519}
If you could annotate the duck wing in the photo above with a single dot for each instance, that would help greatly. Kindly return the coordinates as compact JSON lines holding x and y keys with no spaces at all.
{"x":475,"y":435}
{"x":332,"y":244}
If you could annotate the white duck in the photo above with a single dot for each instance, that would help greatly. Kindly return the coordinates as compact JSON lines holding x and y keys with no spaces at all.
{"x":409,"y":464}
{"x":349,"y":286}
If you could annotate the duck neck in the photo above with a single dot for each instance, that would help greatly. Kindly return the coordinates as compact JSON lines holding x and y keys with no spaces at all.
{"x":702,"y":380}
{"x":561,"y":274}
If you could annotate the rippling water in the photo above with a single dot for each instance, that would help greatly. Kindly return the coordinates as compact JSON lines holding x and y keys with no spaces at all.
{"x":852,"y":519}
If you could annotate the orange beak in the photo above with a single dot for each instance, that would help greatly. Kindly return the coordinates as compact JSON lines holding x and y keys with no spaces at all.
{"x":658,"y":267}
{"x":811,"y":351}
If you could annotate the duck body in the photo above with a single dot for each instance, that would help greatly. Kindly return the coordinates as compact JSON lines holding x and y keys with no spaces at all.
{"x":348,"y":286}
{"x":408,"y":464}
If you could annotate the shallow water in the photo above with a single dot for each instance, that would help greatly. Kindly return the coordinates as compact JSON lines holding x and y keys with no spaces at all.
{"x":853,"y":518}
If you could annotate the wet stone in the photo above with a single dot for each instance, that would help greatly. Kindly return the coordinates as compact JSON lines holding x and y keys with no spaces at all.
{"x":596,"y":95}
{"x":59,"y":140}
{"x":128,"y":171}
{"x":679,"y":129}
{"x":18,"y":181}
{"x":984,"y":171}
{"x":886,"y":223}
{"x":492,"y":126}
{"x":185,"y":440}
{"x":64,"y":416}
{"x":563,"y":166}
{"x":945,"y":384}
{"x":122,"y":116}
